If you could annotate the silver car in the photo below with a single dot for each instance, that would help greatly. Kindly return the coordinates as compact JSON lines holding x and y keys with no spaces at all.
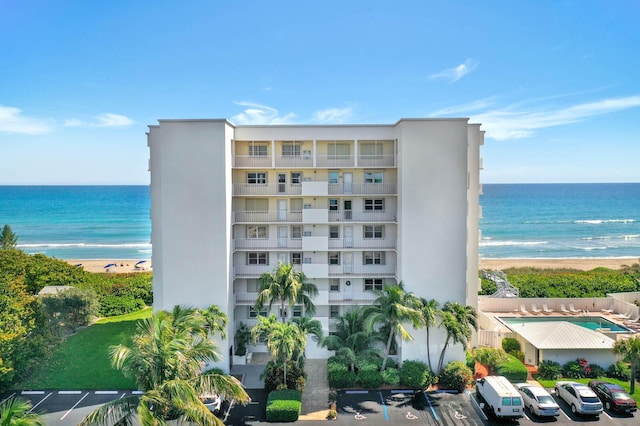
{"x":538,"y":400}
{"x":579,"y":397}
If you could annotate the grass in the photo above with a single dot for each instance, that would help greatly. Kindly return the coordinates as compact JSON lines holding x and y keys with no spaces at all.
{"x":82,"y":360}
{"x":550,"y":384}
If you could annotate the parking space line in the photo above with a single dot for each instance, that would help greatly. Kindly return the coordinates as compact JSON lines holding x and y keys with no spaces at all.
{"x":226,"y":416}
{"x":433,"y":411}
{"x":13,"y":394}
{"x":475,"y":403}
{"x":106,"y":392}
{"x":69,"y":392}
{"x":74,"y":406}
{"x":41,"y":401}
{"x":137,"y":392}
{"x":32,"y":393}
{"x":607,"y":414}
{"x":384,"y":406}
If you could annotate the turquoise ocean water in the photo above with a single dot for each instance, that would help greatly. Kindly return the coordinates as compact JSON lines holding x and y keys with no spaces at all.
{"x":519,"y":221}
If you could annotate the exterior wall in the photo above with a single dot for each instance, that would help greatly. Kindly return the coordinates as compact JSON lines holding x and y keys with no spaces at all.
{"x":602,"y":357}
{"x":201,"y":208}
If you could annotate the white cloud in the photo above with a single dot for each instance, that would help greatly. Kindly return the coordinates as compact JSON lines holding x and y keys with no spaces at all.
{"x":101,"y":120}
{"x":456,"y":73}
{"x":332,"y":115}
{"x":12,"y":121}
{"x":509,"y":123}
{"x":471,"y":106}
{"x":261,"y":114}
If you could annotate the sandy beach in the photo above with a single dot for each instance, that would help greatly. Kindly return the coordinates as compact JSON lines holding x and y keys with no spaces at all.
{"x":123,"y":266}
{"x":582,"y":264}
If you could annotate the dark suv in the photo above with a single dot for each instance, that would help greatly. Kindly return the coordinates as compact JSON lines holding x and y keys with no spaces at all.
{"x":613,"y":396}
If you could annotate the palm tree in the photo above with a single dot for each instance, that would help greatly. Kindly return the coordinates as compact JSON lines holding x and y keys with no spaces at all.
{"x":429,"y":313}
{"x":393,"y":307}
{"x":216,"y":320}
{"x":165,"y":357}
{"x":287,"y":287}
{"x":309,"y":327}
{"x":284,"y":340}
{"x":17,"y":412}
{"x":351,"y":340}
{"x":630,"y":350}
{"x":458,"y":321}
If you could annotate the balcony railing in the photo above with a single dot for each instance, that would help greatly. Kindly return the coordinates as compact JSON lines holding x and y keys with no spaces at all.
{"x":362,"y":188}
{"x":267,"y":243}
{"x":267,"y":189}
{"x":364,"y":243}
{"x":267,"y":216}
{"x":305,"y":160}
{"x":362,"y":216}
{"x":252,"y":161}
{"x":335,"y":161}
{"x":363,"y":297}
{"x":363,"y":270}
{"x":376,"y":160}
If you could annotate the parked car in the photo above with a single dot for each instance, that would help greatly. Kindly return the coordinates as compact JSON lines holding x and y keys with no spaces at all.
{"x":501,"y":398}
{"x":613,"y":396}
{"x":213,"y":402}
{"x":579,"y":397}
{"x":538,"y":400}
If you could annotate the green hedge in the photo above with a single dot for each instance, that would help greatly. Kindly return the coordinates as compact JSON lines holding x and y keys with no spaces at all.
{"x":512,"y":369}
{"x":370,"y":378}
{"x":340,"y":377}
{"x":284,"y":405}
{"x":455,"y":376}
{"x":415,"y":374}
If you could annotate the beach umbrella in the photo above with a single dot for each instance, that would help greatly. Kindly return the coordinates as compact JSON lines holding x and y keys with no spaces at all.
{"x":110,"y":265}
{"x":139,"y":262}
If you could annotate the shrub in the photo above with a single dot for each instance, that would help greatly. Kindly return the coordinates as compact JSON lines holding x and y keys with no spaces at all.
{"x":512,"y":369}
{"x":415,"y":374}
{"x":456,"y":375}
{"x":619,"y":370}
{"x":284,"y":406}
{"x":510,"y":344}
{"x":340,"y":376}
{"x":119,"y":305}
{"x":471,"y":361}
{"x":337,"y":359}
{"x":593,"y":371}
{"x":273,"y":375}
{"x":573,"y":369}
{"x":518,"y":354}
{"x":391,"y":376}
{"x":370,"y":378}
{"x":549,"y":370}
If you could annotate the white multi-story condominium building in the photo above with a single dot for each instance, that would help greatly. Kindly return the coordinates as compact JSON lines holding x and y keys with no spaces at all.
{"x":352,"y":206}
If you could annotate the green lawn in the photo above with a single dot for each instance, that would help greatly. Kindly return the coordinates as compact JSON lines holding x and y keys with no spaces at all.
{"x":550,"y":384}
{"x":82,"y":361}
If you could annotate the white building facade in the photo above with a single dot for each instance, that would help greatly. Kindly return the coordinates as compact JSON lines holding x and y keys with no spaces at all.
{"x":352,"y":206}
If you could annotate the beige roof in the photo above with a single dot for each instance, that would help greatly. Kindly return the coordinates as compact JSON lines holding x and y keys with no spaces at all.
{"x":561,"y":335}
{"x":53,"y":289}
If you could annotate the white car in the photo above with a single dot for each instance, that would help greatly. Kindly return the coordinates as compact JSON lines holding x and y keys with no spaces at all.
{"x":538,"y":400}
{"x":579,"y":397}
{"x":213,"y":402}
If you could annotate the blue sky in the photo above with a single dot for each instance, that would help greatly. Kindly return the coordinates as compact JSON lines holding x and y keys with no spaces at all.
{"x":554,"y":83}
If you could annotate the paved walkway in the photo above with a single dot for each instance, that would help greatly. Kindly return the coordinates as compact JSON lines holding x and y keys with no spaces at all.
{"x":315,"y":398}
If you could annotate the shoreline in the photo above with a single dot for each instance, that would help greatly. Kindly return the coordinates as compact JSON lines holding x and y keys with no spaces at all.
{"x":122,"y":266}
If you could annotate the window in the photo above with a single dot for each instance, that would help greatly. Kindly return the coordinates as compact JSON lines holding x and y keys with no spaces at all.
{"x":256,"y":204}
{"x":371,"y":284}
{"x":334,"y":232}
{"x":333,"y":204}
{"x":373,"y":258}
{"x":290,"y":149}
{"x":283,"y":312}
{"x":373,"y":177}
{"x":334,"y":284}
{"x":373,"y":231}
{"x":258,"y":150}
{"x":333,"y":177}
{"x":334,"y":258}
{"x":374,"y":204}
{"x":296,"y":204}
{"x":256,"y":178}
{"x":296,"y":232}
{"x":258,"y":258}
{"x":297,"y":311}
{"x":334,"y":311}
{"x":257,"y":231}
{"x":371,"y":150}
{"x":253,"y":313}
{"x":338,"y":150}
{"x":296,"y":178}
{"x":296,"y":258}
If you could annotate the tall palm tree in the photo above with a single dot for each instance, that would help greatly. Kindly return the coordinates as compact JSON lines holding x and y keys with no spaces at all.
{"x":165,"y":357}
{"x":17,"y":412}
{"x":393,"y":307}
{"x":309,"y":327}
{"x":429,"y":313}
{"x":630,"y":350}
{"x":351,"y":340}
{"x":286,"y":286}
{"x":458,"y":321}
{"x":216,"y":320}
{"x":283,"y":339}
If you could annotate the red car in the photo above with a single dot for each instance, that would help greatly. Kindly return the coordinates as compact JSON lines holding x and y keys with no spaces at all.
{"x":613,"y":397}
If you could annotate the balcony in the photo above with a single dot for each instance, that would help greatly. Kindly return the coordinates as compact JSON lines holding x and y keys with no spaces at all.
{"x":377,"y":160}
{"x":315,"y":216}
{"x":335,"y":161}
{"x":316,"y":270}
{"x":254,"y":271}
{"x":363,"y":189}
{"x":311,"y":189}
{"x":282,"y":216}
{"x":266,"y":243}
{"x":366,"y":243}
{"x":288,"y":161}
{"x":351,"y":297}
{"x":362,"y":270}
{"x":315,"y":243}
{"x":251,"y":161}
{"x":268,"y":189}
{"x":362,"y":216}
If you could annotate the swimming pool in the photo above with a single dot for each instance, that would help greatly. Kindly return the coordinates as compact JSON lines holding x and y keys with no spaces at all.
{"x":590,"y":322}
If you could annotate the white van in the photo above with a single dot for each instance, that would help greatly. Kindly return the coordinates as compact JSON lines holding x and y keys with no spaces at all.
{"x":500,"y":397}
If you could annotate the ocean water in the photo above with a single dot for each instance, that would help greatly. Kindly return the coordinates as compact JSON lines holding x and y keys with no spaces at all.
{"x":79,"y":222}
{"x":560,"y":220}
{"x":519,"y":220}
